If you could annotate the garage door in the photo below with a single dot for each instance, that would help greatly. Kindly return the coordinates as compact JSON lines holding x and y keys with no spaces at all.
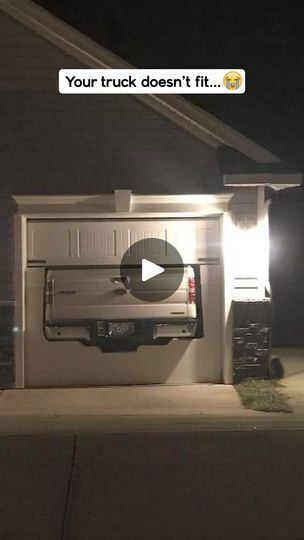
{"x":105,"y":242}
{"x":96,"y":242}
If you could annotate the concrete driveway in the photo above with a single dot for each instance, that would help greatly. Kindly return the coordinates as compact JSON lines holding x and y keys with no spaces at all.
{"x":196,"y":399}
{"x":79,"y":410}
{"x":135,"y":408}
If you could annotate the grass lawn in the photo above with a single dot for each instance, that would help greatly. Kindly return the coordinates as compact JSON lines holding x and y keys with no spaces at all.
{"x":262,"y":395}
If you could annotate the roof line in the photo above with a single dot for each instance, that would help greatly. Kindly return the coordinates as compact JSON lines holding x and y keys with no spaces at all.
{"x":193,"y":119}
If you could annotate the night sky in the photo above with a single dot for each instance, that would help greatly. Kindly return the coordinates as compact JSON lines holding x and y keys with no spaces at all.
{"x":266,"y":39}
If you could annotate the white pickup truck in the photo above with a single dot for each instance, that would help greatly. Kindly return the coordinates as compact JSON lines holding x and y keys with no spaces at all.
{"x":95,"y":307}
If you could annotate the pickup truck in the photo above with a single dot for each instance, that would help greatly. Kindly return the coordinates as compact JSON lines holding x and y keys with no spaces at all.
{"x":94,"y":306}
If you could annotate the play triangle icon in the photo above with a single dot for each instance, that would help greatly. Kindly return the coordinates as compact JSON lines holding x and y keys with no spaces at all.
{"x":149,"y":269}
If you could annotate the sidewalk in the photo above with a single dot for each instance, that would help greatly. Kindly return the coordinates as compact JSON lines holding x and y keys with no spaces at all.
{"x":133,"y":408}
{"x":292,"y":361}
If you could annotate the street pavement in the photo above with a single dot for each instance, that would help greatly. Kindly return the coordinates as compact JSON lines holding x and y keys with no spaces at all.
{"x":162,"y":485}
{"x":148,"y":463}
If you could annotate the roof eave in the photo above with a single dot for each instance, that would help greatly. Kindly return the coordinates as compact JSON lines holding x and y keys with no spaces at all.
{"x":276,"y":181}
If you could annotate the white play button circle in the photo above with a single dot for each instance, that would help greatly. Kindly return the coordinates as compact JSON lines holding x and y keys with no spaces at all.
{"x":150,"y":269}
{"x":151,"y":258}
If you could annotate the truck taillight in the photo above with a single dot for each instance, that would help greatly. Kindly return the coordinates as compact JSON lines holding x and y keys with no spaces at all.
{"x":191,"y":286}
{"x":49,"y":292}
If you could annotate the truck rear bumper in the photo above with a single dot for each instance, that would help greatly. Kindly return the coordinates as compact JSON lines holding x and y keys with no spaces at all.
{"x":122,"y":335}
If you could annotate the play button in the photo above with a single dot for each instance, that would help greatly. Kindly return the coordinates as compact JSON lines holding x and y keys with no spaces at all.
{"x":150,"y":270}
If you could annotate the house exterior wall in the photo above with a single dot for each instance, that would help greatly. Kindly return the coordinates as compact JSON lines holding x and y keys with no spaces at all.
{"x":55,"y":144}
{"x":58,"y":144}
{"x":27,"y":60}
{"x":7,"y":371}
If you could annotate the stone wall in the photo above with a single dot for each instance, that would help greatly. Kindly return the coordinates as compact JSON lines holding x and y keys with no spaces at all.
{"x":251,"y":339}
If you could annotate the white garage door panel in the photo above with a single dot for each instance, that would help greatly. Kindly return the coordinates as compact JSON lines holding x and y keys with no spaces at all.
{"x":68,"y":363}
{"x":45,"y":240}
{"x":104,"y":242}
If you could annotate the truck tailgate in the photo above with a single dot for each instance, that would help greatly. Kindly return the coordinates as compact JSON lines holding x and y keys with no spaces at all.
{"x":77,"y":294}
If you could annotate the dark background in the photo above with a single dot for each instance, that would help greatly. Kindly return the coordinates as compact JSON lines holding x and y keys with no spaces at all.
{"x":266,"y":39}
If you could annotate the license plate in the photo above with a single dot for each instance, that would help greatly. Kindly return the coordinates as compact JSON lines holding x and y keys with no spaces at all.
{"x":120,"y":329}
